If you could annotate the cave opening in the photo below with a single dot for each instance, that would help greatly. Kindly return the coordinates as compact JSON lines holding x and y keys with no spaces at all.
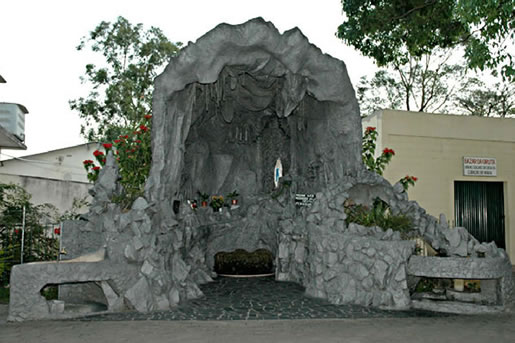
{"x":237,"y":135}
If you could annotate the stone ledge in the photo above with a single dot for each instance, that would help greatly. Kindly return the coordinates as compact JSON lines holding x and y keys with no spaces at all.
{"x":457,"y":267}
{"x":454,"y":307}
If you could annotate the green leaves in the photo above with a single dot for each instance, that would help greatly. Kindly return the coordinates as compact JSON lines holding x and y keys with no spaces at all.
{"x":390,"y":31}
{"x":425,"y":84}
{"x":475,"y":98}
{"x":132,"y":150}
{"x":39,"y":246}
{"x":378,"y":164}
{"x":121,"y":89}
{"x":378,"y":215}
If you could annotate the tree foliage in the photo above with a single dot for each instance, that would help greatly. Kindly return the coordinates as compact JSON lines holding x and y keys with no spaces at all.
{"x":425,"y":84}
{"x":390,"y":31}
{"x":39,"y":245}
{"x":133,"y":155}
{"x":475,"y":98}
{"x":121,"y":89}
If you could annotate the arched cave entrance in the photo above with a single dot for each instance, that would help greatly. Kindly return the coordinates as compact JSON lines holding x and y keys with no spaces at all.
{"x":237,"y":131}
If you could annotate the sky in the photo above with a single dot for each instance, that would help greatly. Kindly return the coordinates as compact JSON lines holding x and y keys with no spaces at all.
{"x":39,"y":60}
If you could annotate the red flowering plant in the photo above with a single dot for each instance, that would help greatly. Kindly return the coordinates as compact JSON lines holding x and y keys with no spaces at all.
{"x":100,"y":157}
{"x":378,"y":164}
{"x":369,"y":148}
{"x":133,"y":155}
{"x":408,"y":181}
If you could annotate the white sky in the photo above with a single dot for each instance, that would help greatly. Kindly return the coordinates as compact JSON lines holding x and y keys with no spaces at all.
{"x":39,"y":61}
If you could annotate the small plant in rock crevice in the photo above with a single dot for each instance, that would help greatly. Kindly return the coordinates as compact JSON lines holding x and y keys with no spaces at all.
{"x":379,"y":215}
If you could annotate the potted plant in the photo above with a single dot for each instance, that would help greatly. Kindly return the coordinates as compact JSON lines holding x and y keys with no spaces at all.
{"x":233,"y":196}
{"x":203,"y":198}
{"x":217,"y":202}
{"x":193,"y":204}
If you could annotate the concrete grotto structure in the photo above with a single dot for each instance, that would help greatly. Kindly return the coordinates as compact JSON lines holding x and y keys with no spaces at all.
{"x":225,"y":109}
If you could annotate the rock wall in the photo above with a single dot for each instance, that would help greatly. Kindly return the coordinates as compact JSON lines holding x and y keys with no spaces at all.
{"x":348,"y":267}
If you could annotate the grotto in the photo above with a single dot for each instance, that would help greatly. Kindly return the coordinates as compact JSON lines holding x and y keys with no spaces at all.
{"x":226,"y":110}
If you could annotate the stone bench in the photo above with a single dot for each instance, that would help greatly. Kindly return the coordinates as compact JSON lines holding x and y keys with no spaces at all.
{"x":494,"y":272}
{"x":27,"y":280}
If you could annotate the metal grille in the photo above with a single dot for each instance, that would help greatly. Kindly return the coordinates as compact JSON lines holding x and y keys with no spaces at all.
{"x":479,"y":207}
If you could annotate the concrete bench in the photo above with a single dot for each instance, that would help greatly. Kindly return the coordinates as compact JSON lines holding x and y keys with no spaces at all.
{"x":495,"y":274}
{"x":27,"y":280}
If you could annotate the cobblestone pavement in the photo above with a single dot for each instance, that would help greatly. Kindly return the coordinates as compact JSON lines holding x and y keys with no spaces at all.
{"x":259,"y":298}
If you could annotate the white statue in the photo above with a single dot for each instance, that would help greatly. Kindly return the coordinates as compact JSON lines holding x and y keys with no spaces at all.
{"x":278,"y":172}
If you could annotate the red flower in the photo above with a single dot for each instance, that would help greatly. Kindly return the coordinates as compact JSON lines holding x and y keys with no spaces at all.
{"x":143,"y":128}
{"x":104,"y":160}
{"x":97,"y":153}
{"x":57,"y":230}
{"x":117,"y":141}
{"x":107,"y":145}
{"x":138,"y":141}
{"x":370,"y":129}
{"x":148,"y":116}
{"x":126,"y":136}
{"x":414,"y":178}
{"x":96,"y":168}
{"x":17,"y":231}
{"x":388,"y":151}
{"x":87,"y":162}
{"x":136,"y":132}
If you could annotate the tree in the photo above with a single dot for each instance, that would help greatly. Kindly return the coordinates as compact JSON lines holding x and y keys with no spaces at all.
{"x":121,"y":93}
{"x":476,"y":99}
{"x":423,"y":84}
{"x":38,"y":244}
{"x":390,"y":31}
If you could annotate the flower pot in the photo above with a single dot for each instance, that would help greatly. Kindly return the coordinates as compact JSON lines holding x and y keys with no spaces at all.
{"x":234,"y":202}
{"x":203,"y":203}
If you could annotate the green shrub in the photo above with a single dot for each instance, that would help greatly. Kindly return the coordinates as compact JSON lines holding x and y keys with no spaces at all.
{"x":4,"y":295}
{"x":379,"y":215}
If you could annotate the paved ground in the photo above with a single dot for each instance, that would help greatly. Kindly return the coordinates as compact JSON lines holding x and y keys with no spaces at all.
{"x":259,"y":298}
{"x":346,"y":324}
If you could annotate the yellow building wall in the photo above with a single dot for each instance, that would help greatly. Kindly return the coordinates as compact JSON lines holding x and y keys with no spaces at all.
{"x":432,"y":146}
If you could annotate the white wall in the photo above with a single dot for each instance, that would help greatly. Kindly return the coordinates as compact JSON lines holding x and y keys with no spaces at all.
{"x":63,"y":164}
{"x":56,"y":177}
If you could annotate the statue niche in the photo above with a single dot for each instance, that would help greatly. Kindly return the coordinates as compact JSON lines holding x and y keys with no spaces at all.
{"x":235,"y":136}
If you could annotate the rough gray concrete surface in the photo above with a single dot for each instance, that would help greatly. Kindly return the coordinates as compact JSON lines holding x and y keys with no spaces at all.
{"x":26,"y":303}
